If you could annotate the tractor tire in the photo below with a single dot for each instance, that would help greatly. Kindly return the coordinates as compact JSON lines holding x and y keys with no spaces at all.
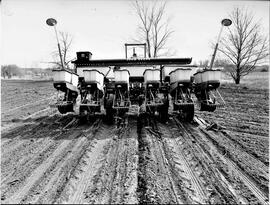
{"x":70,"y":107}
{"x":108,"y":107}
{"x":186,"y":112}
{"x":190,"y":113}
{"x":62,"y":109}
{"x":163,"y":112}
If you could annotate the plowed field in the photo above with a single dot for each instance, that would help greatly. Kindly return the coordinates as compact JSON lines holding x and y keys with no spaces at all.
{"x":219,"y":158}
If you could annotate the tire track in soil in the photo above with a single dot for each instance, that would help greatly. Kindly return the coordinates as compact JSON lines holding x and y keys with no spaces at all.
{"x":225,"y":173}
{"x":190,"y":160}
{"x":234,"y":168}
{"x":219,"y":191}
{"x":31,"y":175}
{"x":74,"y":191}
{"x":115,"y":180}
{"x":158,"y":180}
{"x":174,"y":142}
{"x":56,"y":191}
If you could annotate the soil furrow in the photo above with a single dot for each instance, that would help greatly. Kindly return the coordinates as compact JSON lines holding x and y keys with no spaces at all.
{"x":74,"y":190}
{"x":39,"y":168}
{"x":246,"y":162}
{"x":111,"y":183}
{"x":253,"y":186}
{"x":29,"y":104}
{"x":158,"y":180}
{"x":219,"y":192}
{"x":72,"y":142}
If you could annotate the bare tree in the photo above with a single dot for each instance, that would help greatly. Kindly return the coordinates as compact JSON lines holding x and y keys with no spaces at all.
{"x":244,"y":45}
{"x":65,"y":41}
{"x":154,"y":27}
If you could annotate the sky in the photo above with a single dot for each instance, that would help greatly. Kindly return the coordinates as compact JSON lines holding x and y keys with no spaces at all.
{"x":104,"y":26}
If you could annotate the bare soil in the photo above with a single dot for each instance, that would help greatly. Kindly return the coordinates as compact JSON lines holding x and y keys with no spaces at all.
{"x":219,"y":158}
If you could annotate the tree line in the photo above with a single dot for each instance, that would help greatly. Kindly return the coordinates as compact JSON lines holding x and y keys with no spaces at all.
{"x":228,"y":66}
{"x":7,"y":71}
{"x":12,"y":70}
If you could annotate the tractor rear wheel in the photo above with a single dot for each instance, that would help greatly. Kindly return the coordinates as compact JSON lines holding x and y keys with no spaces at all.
{"x":163,"y":112}
{"x":190,"y":113}
{"x":62,"y":109}
{"x":108,"y":107}
{"x":186,"y":112}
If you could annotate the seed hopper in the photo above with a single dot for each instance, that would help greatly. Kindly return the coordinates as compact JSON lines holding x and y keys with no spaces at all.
{"x":180,"y":90}
{"x":207,"y":82}
{"x":65,"y":82}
